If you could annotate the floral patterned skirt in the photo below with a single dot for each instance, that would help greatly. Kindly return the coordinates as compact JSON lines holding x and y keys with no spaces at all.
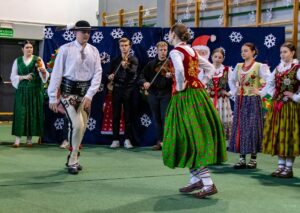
{"x":193,"y":132}
{"x":247,"y":125}
{"x":281,"y":132}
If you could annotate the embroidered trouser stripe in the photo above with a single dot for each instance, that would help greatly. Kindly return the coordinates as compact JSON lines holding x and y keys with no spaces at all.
{"x":78,"y":122}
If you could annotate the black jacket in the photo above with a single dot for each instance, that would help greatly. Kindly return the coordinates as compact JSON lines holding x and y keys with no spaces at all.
{"x":124,"y":77}
{"x":162,"y":85}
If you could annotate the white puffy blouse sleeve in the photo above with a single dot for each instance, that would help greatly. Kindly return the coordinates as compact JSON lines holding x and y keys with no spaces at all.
{"x":296,"y":96}
{"x":232,"y":80}
{"x":14,"y":77}
{"x":177,"y":60}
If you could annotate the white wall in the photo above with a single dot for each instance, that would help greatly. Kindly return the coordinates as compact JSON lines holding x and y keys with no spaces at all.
{"x":30,"y":16}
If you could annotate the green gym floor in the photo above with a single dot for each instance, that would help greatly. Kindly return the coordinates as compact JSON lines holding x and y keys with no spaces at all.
{"x":131,"y":181}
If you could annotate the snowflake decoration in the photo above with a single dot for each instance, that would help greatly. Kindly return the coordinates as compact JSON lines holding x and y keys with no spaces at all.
{"x":269,"y":15}
{"x":187,"y":14}
{"x":145,"y":120}
{"x":130,"y":22}
{"x":236,"y":2}
{"x":117,"y":33}
{"x":97,"y":37}
{"x":221,"y":20}
{"x":69,"y":35}
{"x":252,"y":17}
{"x":48,"y":33}
{"x":105,"y":57}
{"x":203,"y":5}
{"x":166,"y":37}
{"x":288,"y":2}
{"x":191,"y":32}
{"x":131,"y":52}
{"x":152,"y":51}
{"x":270,"y":41}
{"x":147,"y":13}
{"x":91,"y":125}
{"x":236,"y":37}
{"x":137,"y":38}
{"x":59,"y":123}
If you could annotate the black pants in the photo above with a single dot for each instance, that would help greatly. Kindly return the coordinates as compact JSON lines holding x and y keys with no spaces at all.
{"x":121,"y":97}
{"x":158,"y":106}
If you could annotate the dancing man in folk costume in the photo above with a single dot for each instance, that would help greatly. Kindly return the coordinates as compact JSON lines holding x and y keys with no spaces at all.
{"x":77,"y":74}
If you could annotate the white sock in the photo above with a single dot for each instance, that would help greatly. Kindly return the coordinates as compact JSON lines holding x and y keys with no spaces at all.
{"x":194,"y":174}
{"x":290,"y":162}
{"x":18,"y":139}
{"x":206,"y":179}
{"x":281,"y":162}
{"x":73,"y":157}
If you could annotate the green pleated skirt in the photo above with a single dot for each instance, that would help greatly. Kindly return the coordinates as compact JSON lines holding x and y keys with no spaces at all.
{"x":193,"y":133}
{"x":28,"y":119}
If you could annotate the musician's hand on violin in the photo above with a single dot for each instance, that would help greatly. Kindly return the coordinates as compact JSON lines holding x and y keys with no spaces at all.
{"x":146,"y":85}
{"x":168,"y":75}
{"x":124,"y":64}
{"x":111,"y":77}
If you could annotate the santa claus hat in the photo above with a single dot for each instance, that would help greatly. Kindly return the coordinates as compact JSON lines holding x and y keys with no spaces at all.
{"x":200,"y":43}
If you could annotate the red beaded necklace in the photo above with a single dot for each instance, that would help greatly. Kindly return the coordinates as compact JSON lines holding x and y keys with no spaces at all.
{"x":246,"y":68}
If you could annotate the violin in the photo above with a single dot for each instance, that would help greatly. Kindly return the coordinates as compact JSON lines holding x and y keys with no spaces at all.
{"x":163,"y":67}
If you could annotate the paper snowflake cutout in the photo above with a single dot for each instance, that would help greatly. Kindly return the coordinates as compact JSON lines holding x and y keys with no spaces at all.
{"x":236,"y":37}
{"x":270,"y":41}
{"x":269,"y":15}
{"x":221,"y":20}
{"x":105,"y":57}
{"x":91,"y":125}
{"x":137,"y":38}
{"x":166,"y":37}
{"x":203,"y":5}
{"x":97,"y":37}
{"x":191,"y":32}
{"x":131,"y":52}
{"x":152,"y":51}
{"x":252,"y":17}
{"x":48,"y":34}
{"x":117,"y":33}
{"x":59,"y":123}
{"x":69,"y":35}
{"x":145,"y":120}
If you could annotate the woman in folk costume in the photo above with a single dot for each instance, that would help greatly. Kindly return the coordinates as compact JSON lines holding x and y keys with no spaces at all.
{"x":193,"y":133}
{"x":281,"y":132}
{"x":27,"y":77}
{"x":217,"y":89}
{"x":247,"y":119}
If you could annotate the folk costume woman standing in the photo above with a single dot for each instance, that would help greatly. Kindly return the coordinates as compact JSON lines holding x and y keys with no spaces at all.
{"x":281,"y":132}
{"x":217,"y":88}
{"x":247,"y":117}
{"x":27,"y":77}
{"x":193,"y":133}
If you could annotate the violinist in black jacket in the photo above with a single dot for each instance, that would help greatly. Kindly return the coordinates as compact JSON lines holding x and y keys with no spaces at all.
{"x":157,"y":81}
{"x":123,"y":74}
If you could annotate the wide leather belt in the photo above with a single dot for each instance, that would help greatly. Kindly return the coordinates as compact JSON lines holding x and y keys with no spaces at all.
{"x":69,"y":87}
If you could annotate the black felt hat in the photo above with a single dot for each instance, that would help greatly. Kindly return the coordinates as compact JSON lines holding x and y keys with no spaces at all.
{"x":82,"y":25}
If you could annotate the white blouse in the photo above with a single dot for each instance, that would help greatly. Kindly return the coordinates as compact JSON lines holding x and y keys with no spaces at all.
{"x":264,"y":73}
{"x":15,"y":78}
{"x":177,"y":60}
{"x":270,"y":86}
{"x":77,"y":64}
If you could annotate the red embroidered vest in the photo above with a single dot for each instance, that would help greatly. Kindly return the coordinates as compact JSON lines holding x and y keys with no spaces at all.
{"x":217,"y":85}
{"x":286,"y":81}
{"x":191,"y":70}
